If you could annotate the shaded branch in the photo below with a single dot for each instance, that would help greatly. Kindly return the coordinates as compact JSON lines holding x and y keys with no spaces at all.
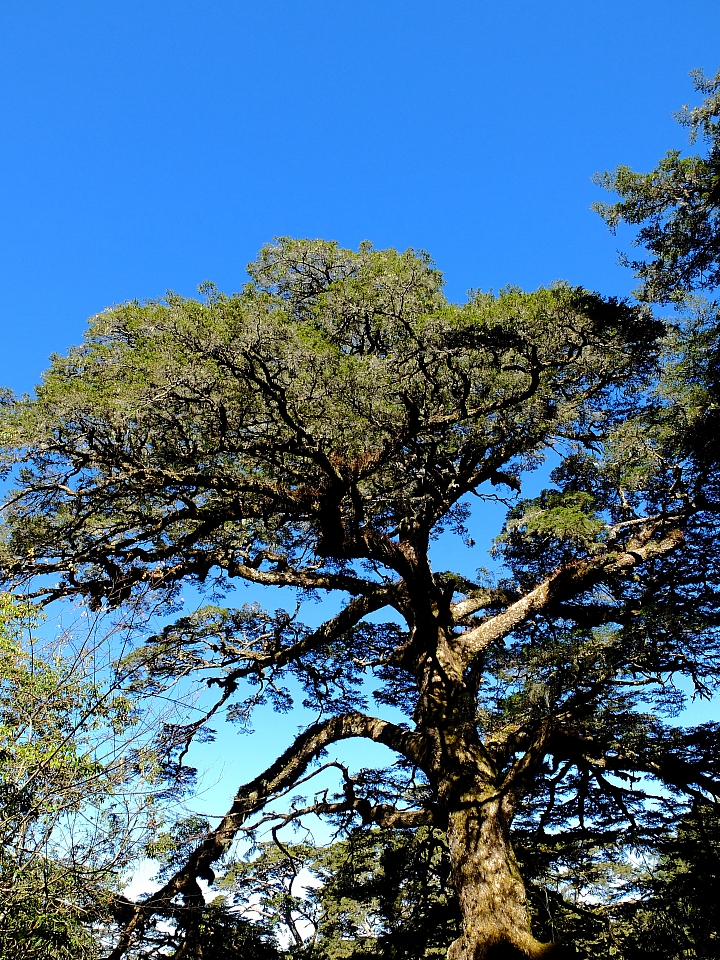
{"x":252,"y":797}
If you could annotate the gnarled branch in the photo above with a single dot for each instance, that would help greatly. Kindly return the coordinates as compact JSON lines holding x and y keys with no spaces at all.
{"x":564,"y":583}
{"x":281,"y":774}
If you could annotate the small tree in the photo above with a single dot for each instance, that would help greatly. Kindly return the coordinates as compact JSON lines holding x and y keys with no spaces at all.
{"x":73,"y":809}
{"x":316,"y":432}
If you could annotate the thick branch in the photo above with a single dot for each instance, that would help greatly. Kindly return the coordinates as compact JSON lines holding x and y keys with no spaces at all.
{"x":564,"y":583}
{"x":303,"y":579}
{"x":254,"y":795}
{"x":487,"y":597}
{"x":669,"y":769}
{"x":348,"y":617}
{"x":256,"y":662}
{"x":525,"y":768}
{"x":383,"y":814}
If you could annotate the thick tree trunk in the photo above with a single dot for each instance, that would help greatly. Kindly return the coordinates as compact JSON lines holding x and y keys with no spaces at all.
{"x":485,"y":873}
{"x":488,"y":885}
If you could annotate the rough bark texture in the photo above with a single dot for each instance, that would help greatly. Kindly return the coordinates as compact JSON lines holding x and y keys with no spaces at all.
{"x":478,"y":805}
{"x":488,"y":884}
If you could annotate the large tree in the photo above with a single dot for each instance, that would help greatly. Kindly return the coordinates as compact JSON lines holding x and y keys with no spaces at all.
{"x":316,"y":432}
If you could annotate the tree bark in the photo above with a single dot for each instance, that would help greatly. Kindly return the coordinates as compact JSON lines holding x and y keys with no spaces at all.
{"x":477,"y":812}
{"x":488,"y":885}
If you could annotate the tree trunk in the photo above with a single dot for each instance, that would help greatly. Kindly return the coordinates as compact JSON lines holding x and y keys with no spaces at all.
{"x":485,"y":873}
{"x":488,"y":885}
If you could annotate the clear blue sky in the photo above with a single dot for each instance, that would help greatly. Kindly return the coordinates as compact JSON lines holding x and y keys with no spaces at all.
{"x":149,"y":144}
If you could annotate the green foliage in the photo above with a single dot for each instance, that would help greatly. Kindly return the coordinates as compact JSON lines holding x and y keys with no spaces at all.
{"x":225,"y":935}
{"x":386,"y":894}
{"x":567,"y":520}
{"x":675,"y":206}
{"x":660,"y":904}
{"x":350,"y":370}
{"x":218,"y":933}
{"x":377,"y":893}
{"x":72,"y":808}
{"x":169,"y":848}
{"x":678,"y":917}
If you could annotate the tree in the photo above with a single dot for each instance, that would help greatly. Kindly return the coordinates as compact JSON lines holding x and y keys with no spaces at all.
{"x":73,"y":809}
{"x":376,"y":893}
{"x":678,"y":919}
{"x":676,"y":206}
{"x":662,"y":908}
{"x":315,"y":432}
{"x":394,"y":883}
{"x":676,"y":210}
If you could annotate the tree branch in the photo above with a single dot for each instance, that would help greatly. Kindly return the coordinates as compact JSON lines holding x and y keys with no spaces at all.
{"x":255,"y":794}
{"x":304,"y":579}
{"x":564,"y":583}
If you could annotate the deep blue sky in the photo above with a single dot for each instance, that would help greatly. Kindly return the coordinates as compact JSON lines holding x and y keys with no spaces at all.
{"x":153,"y":144}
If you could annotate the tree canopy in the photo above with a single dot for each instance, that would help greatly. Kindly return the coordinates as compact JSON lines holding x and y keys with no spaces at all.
{"x":317,"y":432}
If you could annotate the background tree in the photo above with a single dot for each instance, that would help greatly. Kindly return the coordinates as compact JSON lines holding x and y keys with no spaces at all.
{"x":376,"y":893}
{"x":396,"y":884}
{"x":316,"y":432}
{"x":676,"y":207}
{"x":74,"y":807}
{"x":676,"y":918}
